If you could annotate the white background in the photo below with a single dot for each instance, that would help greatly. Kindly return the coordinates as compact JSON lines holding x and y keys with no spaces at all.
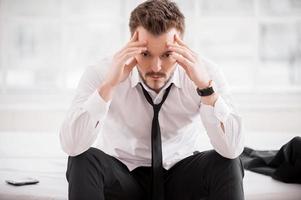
{"x":46,"y":44}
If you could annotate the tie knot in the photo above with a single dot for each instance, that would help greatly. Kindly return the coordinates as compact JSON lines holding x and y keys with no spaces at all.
{"x":150,"y":101}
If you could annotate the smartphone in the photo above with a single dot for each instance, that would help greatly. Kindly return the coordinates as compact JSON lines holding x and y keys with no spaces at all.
{"x":24,"y":181}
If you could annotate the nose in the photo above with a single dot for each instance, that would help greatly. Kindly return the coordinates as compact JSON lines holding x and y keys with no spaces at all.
{"x":156,"y":65}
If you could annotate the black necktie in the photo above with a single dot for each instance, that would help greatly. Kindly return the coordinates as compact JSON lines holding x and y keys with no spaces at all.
{"x":157,"y":167}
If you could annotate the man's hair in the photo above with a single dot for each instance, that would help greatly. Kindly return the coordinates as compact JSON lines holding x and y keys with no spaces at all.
{"x":157,"y":17}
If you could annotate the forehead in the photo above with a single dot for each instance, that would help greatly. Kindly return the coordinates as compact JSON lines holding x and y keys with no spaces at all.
{"x":156,"y":44}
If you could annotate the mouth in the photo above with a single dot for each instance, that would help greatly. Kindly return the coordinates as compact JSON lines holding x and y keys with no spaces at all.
{"x":156,"y":77}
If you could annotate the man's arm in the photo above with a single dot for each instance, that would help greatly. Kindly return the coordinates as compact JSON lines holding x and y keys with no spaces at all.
{"x":221,"y":121}
{"x":84,"y":117}
{"x":224,"y":127}
{"x":210,"y":100}
{"x":95,"y":91}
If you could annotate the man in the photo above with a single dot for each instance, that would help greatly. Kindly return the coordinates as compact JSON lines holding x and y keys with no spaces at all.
{"x":144,"y":107}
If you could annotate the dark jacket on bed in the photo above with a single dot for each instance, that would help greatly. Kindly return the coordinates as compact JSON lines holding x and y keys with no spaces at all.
{"x":283,"y":165}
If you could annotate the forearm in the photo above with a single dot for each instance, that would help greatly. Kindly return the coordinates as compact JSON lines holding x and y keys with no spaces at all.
{"x":228,"y":142}
{"x":106,"y":91}
{"x":82,"y":124}
{"x":224,"y":128}
{"x":210,"y":100}
{"x":78,"y":132}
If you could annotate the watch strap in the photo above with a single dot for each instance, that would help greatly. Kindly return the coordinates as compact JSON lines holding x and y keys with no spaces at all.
{"x":206,"y":91}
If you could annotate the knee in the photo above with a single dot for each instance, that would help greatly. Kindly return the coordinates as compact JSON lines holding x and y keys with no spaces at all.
{"x":295,"y":142}
{"x":84,"y":161}
{"x":77,"y":163}
{"x":227,"y":165}
{"x":81,"y":159}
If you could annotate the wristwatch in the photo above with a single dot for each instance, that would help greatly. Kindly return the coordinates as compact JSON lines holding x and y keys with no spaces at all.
{"x":206,"y":91}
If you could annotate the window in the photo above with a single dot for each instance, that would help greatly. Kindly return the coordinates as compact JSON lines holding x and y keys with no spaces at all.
{"x":46,"y":45}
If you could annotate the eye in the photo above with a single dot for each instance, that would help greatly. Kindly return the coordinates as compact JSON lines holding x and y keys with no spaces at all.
{"x":144,"y":54}
{"x":167,"y":55}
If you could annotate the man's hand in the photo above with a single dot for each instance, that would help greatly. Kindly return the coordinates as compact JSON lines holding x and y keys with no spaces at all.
{"x":190,"y":62}
{"x":123,"y":61}
{"x":194,"y":69}
{"x":122,"y":64}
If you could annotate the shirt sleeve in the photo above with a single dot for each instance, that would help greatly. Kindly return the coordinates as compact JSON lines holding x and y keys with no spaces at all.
{"x":228,"y":142}
{"x":88,"y":110}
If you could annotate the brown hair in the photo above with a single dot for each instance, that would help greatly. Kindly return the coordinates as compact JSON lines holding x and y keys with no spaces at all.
{"x":157,"y":17}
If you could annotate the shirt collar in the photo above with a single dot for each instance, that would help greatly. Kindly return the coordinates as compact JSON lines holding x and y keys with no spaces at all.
{"x":175,"y":77}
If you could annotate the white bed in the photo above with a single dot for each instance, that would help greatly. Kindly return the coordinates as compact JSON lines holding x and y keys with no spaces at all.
{"x":48,"y":164}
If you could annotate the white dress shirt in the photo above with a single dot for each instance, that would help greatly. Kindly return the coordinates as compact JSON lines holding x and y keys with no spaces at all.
{"x":122,"y":126}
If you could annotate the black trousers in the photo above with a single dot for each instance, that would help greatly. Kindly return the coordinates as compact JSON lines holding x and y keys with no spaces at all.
{"x":94,"y":175}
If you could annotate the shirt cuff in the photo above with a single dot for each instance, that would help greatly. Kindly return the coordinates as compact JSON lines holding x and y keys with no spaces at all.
{"x":96,"y":106}
{"x":221,"y":109}
{"x":218,"y":113}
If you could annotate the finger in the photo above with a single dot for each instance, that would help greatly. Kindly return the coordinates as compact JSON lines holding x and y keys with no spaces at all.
{"x":128,"y":67}
{"x":133,"y":44}
{"x":130,"y":54}
{"x":134,"y":37}
{"x":184,"y":47}
{"x":132,"y":40}
{"x":127,"y":49}
{"x":185,"y":63}
{"x":130,"y":49}
{"x":137,"y":44}
{"x":184,"y":52}
{"x":179,"y":41}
